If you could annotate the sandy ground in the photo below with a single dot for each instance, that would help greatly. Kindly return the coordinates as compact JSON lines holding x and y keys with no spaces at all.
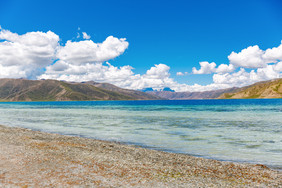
{"x":35,"y":159}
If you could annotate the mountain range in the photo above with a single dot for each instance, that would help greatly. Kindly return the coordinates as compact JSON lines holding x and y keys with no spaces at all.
{"x":266,"y":89}
{"x":191,"y":95}
{"x":54,"y":90}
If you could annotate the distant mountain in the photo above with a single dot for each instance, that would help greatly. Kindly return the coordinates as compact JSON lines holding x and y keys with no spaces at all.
{"x":131,"y":93}
{"x":168,"y":89}
{"x":266,"y":89}
{"x":191,"y":95}
{"x":149,"y":89}
{"x":54,"y":90}
{"x":146,"y":89}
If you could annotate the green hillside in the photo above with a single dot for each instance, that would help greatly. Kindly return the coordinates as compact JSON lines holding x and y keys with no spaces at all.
{"x":267,"y":89}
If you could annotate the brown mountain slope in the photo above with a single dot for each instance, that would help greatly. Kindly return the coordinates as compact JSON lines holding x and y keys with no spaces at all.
{"x":266,"y":89}
{"x":53,"y":90}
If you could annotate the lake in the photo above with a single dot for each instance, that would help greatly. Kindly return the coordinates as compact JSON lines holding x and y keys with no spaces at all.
{"x":246,"y":130}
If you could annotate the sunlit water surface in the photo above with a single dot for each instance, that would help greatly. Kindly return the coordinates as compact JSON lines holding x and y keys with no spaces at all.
{"x":232,"y":130}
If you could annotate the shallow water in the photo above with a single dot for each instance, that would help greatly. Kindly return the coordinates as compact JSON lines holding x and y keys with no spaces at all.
{"x":232,"y":130}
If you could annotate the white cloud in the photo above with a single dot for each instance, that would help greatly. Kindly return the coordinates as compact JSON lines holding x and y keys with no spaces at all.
{"x":83,"y":61}
{"x":14,"y":72}
{"x":243,"y":78}
{"x":87,"y":51}
{"x":180,"y":74}
{"x":278,"y":67}
{"x":39,"y":55}
{"x":254,"y":57}
{"x":158,"y":71}
{"x":87,"y":72}
{"x":85,"y":36}
{"x":267,"y":73}
{"x":250,"y":57}
{"x":25,"y":55}
{"x":206,"y":68}
{"x":156,"y":77}
{"x":237,"y":78}
{"x":223,"y":68}
{"x":273,"y":54}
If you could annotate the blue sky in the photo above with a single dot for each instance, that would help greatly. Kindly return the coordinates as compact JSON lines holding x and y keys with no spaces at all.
{"x":178,"y":34}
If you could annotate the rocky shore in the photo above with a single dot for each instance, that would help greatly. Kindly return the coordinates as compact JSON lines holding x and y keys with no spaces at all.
{"x":36,"y":159}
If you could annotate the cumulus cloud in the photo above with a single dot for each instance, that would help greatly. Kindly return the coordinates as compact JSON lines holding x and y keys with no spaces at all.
{"x":235,"y":79}
{"x":243,"y":78}
{"x":83,"y":52}
{"x":250,"y":57}
{"x":38,"y":55}
{"x":208,"y":68}
{"x":263,"y":65}
{"x":158,"y":71}
{"x":224,"y":68}
{"x":97,"y":72}
{"x":180,"y":74}
{"x":25,"y":55}
{"x":83,"y":61}
{"x":85,"y":36}
{"x":254,"y":57}
{"x":278,"y":67}
{"x":156,"y":77}
{"x":273,"y":54}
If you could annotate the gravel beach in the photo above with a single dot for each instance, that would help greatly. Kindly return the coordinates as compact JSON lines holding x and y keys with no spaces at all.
{"x":36,"y":159}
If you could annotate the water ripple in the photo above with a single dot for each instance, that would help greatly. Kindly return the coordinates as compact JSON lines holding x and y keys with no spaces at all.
{"x":238,"y":130}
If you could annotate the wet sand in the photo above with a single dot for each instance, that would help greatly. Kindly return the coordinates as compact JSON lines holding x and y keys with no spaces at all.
{"x":36,"y":159}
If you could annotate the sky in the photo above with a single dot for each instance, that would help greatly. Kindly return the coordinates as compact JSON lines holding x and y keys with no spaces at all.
{"x":182,"y":44}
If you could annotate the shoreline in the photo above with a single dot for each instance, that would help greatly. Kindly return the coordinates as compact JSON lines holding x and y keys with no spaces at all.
{"x":138,"y":145}
{"x":27,"y":157}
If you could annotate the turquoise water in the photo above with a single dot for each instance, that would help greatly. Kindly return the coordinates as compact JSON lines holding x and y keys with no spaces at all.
{"x":231,"y":130}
